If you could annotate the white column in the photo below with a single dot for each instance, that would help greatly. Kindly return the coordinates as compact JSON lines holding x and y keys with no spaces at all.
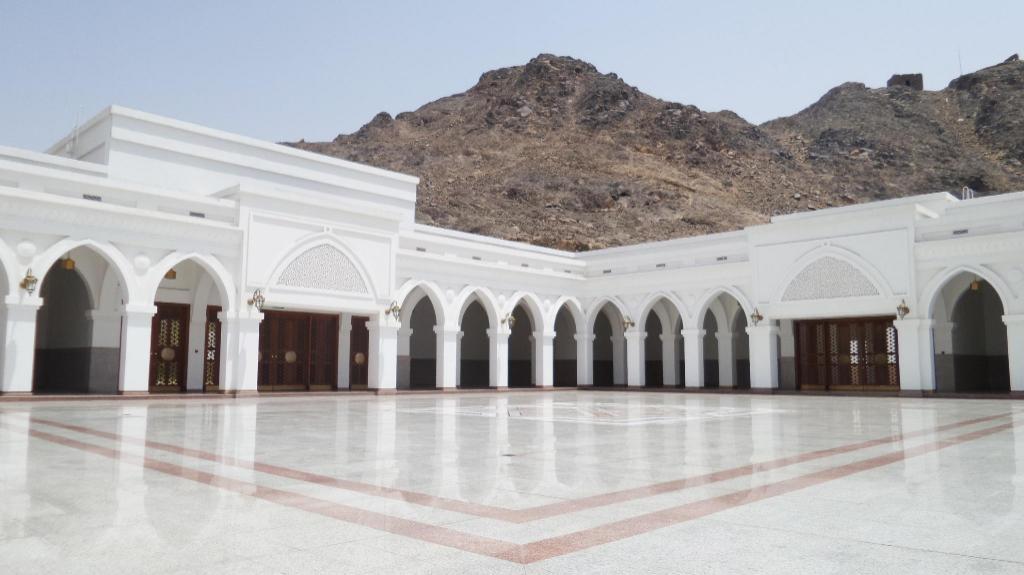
{"x":19,"y":337}
{"x":136,"y":333}
{"x":693,"y":357}
{"x":764,"y":355}
{"x":915,"y":352}
{"x":382,"y":365}
{"x":240,"y":352}
{"x":726,"y":361}
{"x":447,"y":355}
{"x":1015,"y":348}
{"x":458,"y":359}
{"x":618,"y":360}
{"x":584,"y":358}
{"x":498,"y":357}
{"x":636,"y":372}
{"x":404,"y":358}
{"x":669,"y":359}
{"x":344,"y":350}
{"x":544,"y":358}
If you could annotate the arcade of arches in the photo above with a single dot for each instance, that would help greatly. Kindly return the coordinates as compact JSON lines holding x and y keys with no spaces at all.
{"x":80,"y":328}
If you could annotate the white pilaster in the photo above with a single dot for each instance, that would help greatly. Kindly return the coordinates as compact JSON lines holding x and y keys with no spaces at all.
{"x":1015,"y":347}
{"x":344,"y":350}
{"x":636,"y":374}
{"x":726,"y":361}
{"x":447,"y":364}
{"x":670,"y":359}
{"x":618,"y":360}
{"x":19,"y":337}
{"x":584,"y":358}
{"x":240,"y":352}
{"x":498,"y":357}
{"x":917,"y":360}
{"x":544,"y":358}
{"x":458,"y":359}
{"x":382,"y":364}
{"x":693,"y":357}
{"x":136,"y":334}
{"x":764,"y":355}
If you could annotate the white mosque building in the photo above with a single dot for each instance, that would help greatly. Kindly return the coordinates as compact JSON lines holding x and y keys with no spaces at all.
{"x":144,"y":255}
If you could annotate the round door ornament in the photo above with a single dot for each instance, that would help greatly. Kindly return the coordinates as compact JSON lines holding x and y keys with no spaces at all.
{"x":290,"y":356}
{"x":167,"y":354}
{"x":359,"y":358}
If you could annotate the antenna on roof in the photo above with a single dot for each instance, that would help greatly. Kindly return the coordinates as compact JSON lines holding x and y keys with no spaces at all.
{"x":72,"y":143}
{"x":966,"y":193}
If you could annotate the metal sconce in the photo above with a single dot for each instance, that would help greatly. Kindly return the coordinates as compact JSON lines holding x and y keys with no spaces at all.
{"x":67,"y":263}
{"x":28,"y":283}
{"x":171,"y":274}
{"x":976,"y":284}
{"x":756,"y":317}
{"x":627,"y":322}
{"x":394,"y":310}
{"x":257,"y":300}
{"x":903,"y":309}
{"x":509,"y":320}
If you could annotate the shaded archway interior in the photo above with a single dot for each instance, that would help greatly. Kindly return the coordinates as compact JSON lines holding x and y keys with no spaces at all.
{"x":970,"y":339}
{"x":564,"y":349}
{"x":474,"y":349}
{"x":521,"y":349}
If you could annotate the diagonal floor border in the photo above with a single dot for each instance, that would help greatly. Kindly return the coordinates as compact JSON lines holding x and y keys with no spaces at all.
{"x":519,"y":515}
{"x":513,"y":552}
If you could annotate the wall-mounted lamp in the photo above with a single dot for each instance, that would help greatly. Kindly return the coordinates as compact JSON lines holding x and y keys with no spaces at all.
{"x":257,"y":300}
{"x":627,"y":323}
{"x":171,"y":274}
{"x":976,"y":284}
{"x":903,"y":309}
{"x":67,"y":263}
{"x":28,"y":283}
{"x":394,"y":310}
{"x":756,"y":317}
{"x":509,"y":320}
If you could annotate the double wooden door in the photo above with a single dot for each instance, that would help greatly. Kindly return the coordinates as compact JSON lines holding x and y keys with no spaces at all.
{"x":298,"y":351}
{"x":851,"y":354}
{"x":169,"y":349}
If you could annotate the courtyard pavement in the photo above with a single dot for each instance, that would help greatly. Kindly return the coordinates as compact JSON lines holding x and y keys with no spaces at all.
{"x":559,"y":482}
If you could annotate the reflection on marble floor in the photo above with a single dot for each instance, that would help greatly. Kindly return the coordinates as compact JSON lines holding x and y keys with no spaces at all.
{"x":560,"y":482}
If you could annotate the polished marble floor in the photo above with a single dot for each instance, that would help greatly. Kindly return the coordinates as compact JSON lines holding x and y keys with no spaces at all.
{"x":549,"y":482}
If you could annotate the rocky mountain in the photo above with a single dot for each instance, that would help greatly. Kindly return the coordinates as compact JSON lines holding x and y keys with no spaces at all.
{"x":556,"y":153}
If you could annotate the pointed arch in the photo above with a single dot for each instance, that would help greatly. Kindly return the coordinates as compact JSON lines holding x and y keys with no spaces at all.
{"x":413,"y":290}
{"x":711,"y":295}
{"x":481,"y":294}
{"x":613,"y":303}
{"x":933,"y":289}
{"x":220,"y":275}
{"x":575,"y":310}
{"x":531,"y":303}
{"x":654,"y":298}
{"x":113,"y":256}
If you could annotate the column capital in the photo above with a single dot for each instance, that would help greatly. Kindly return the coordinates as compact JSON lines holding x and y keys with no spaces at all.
{"x":14,"y":301}
{"x":692,"y":332}
{"x":1013,"y":319}
{"x":584,"y":337}
{"x":548,"y":335}
{"x":913,"y":323}
{"x":131,"y":309}
{"x":765,"y":329}
{"x":501,"y":333}
{"x":447,"y":331}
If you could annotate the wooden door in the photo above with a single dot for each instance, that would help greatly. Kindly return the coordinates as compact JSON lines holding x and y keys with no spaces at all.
{"x":298,"y":351}
{"x":852,"y":354}
{"x":168,"y":363}
{"x":211,"y":350}
{"x":359,"y":353}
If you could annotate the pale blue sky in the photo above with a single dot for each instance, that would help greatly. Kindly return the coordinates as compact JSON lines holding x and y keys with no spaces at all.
{"x":284,"y":70}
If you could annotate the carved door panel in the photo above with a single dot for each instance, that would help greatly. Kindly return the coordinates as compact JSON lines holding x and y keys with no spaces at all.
{"x":211,"y":350}
{"x":298,"y":351}
{"x":359,"y":353}
{"x":168,"y":363}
